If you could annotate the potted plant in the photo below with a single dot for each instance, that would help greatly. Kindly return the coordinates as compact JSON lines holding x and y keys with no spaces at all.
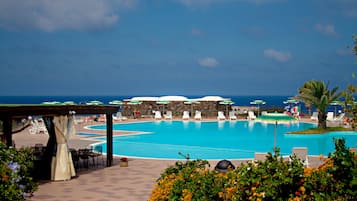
{"x":123,"y":162}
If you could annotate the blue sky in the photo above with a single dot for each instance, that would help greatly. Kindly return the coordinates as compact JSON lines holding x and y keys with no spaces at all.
{"x":174,"y":47}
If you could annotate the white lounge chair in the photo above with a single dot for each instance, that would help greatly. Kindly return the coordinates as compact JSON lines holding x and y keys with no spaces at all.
{"x":315,"y":116}
{"x":158,"y":115}
{"x":232,"y":115}
{"x":339,"y":118}
{"x":38,"y":127}
{"x":301,"y":153}
{"x":168,"y":115}
{"x":329,"y":116}
{"x":251,"y":115}
{"x":220,"y":116}
{"x":186,"y":115}
{"x":119,"y":117}
{"x":198,"y":115}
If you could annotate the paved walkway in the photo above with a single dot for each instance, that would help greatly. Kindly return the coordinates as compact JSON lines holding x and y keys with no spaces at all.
{"x":133,"y":183}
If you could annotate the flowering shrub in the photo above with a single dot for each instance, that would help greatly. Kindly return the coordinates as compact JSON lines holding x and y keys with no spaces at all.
{"x":15,"y":169}
{"x":272,"y":179}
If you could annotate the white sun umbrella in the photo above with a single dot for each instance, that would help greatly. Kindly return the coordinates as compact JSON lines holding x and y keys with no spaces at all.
{"x":68,"y":103}
{"x":226,"y":103}
{"x":51,"y":103}
{"x":116,"y":102}
{"x":291,"y":102}
{"x":94,"y":102}
{"x":258,"y":102}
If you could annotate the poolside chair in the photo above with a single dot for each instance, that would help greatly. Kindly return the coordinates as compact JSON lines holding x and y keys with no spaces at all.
{"x":38,"y":127}
{"x":301,"y":153}
{"x":97,"y":152}
{"x":220,"y":116}
{"x":119,"y":117}
{"x":251,"y":115}
{"x":340,"y":118}
{"x":168,"y":115}
{"x":157,"y":115}
{"x":315,"y":116}
{"x":198,"y":115}
{"x":329,"y":116}
{"x":186,"y":115}
{"x":264,"y":113}
{"x":232,"y":115}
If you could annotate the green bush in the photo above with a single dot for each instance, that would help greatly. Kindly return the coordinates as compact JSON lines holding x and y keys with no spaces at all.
{"x":15,"y":173}
{"x":273,"y":179}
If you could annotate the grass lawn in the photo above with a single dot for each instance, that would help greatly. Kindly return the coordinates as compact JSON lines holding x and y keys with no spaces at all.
{"x":320,"y":130}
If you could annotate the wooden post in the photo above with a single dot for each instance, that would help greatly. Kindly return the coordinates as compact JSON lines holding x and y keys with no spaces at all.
{"x":109,"y":119}
{"x":7,"y":129}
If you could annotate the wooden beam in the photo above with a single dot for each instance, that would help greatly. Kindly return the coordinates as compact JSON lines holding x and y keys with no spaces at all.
{"x":7,"y":129}
{"x":109,"y":118}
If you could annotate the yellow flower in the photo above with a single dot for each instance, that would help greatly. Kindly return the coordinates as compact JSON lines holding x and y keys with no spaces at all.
{"x":302,"y":189}
{"x":220,"y":194}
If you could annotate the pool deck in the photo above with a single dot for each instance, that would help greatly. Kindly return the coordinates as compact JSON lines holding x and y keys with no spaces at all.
{"x":133,"y":183}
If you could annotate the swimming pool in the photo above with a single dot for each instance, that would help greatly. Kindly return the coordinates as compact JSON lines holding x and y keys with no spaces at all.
{"x":217,"y":140}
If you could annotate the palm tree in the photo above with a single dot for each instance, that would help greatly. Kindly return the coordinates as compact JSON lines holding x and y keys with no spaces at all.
{"x":317,"y":94}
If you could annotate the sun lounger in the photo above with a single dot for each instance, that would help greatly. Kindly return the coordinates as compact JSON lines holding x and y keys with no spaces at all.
{"x":339,"y":119}
{"x":329,"y":116}
{"x":301,"y":153}
{"x":251,"y":115}
{"x":198,"y":115}
{"x":315,"y":116}
{"x":119,"y":117}
{"x":220,"y":116}
{"x":232,"y":115}
{"x":38,"y":127}
{"x":158,"y":115}
{"x":186,"y":115}
{"x":168,"y":115}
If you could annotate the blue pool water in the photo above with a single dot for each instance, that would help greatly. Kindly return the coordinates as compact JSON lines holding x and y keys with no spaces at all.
{"x":217,"y":140}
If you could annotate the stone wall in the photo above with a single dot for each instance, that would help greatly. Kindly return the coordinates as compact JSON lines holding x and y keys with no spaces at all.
{"x":208,"y":109}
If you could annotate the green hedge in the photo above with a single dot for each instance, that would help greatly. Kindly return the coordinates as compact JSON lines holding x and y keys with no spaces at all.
{"x":272,"y":179}
{"x":16,"y":167}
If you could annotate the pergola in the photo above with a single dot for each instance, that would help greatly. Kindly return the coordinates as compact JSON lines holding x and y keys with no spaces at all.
{"x":8,"y":112}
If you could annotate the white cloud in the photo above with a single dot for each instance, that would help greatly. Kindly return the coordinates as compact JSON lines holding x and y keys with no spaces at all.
{"x":327,"y":29}
{"x":208,"y":62}
{"x":54,"y":15}
{"x":279,"y":56}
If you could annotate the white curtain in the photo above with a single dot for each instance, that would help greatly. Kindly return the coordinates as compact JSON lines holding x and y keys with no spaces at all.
{"x":62,"y":165}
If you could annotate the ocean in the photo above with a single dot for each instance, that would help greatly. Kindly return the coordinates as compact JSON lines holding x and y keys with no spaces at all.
{"x":271,"y":101}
